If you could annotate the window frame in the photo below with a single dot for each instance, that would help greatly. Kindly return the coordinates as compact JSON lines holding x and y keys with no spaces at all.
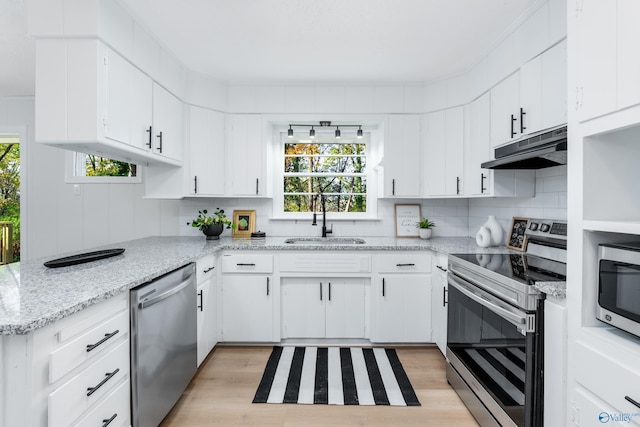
{"x":74,"y":162}
{"x":278,"y":199}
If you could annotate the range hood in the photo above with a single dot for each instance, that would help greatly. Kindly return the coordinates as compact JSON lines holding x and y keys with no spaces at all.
{"x":541,"y":150}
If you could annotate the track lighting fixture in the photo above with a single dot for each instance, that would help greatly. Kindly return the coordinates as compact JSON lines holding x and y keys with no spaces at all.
{"x":325,"y":124}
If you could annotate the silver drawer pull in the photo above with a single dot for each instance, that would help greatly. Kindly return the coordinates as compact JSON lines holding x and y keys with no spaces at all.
{"x":107,"y":421}
{"x":106,"y":337}
{"x":92,"y":390}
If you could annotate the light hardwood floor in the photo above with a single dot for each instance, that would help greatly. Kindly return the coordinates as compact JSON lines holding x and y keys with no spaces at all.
{"x":222,"y":391}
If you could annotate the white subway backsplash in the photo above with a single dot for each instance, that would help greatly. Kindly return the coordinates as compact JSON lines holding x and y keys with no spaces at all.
{"x":453,"y":217}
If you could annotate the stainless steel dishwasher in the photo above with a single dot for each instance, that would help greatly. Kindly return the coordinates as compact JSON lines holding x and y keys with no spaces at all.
{"x":163,"y":344}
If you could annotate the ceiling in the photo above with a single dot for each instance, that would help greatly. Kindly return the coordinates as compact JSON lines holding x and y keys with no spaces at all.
{"x":290,"y":41}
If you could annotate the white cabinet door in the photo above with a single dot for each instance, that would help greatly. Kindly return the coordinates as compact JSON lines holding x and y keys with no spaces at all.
{"x":323,"y":308}
{"x":402,"y":309}
{"x":168,"y":138}
{"x":141,"y":110}
{"x":478,"y":180}
{"x":505,"y":110}
{"x":206,"y":152}
{"x":628,"y":58}
{"x":303,"y":310}
{"x":443,"y":163}
{"x":555,"y":361}
{"x":247,"y":308}
{"x":402,"y":157}
{"x":595,"y":27}
{"x":554,"y":86}
{"x":245,"y":170}
{"x":439,"y":302}
{"x":531,"y":96}
{"x":119,"y":98}
{"x":206,"y":315}
{"x":345,"y":308}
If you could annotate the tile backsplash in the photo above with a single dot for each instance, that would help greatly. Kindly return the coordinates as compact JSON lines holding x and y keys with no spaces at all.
{"x":453,"y":217}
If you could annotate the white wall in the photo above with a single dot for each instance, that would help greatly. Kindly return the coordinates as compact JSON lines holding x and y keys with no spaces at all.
{"x":58,"y":221}
{"x":550,"y":202}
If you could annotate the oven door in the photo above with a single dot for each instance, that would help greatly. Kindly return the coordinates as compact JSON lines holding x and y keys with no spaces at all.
{"x":497,"y":351}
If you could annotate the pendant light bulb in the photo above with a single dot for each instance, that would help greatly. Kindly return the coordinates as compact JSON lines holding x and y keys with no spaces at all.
{"x":338,"y":136}
{"x":312,"y":133}
{"x":290,"y":132}
{"x":359,"y":136}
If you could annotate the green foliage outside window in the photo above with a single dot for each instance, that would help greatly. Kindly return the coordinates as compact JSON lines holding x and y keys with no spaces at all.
{"x":102,"y":166}
{"x":336,"y":169}
{"x":10,"y":191}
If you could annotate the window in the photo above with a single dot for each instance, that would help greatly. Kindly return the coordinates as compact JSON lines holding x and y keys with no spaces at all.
{"x":83,"y":167}
{"x":334,"y":167}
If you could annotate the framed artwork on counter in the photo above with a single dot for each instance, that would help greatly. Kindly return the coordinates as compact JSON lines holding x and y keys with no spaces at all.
{"x":517,"y":239}
{"x":245,"y":222}
{"x":406,"y":220}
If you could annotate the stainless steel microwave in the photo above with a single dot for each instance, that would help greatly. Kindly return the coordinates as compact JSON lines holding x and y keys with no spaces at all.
{"x":619,"y":286}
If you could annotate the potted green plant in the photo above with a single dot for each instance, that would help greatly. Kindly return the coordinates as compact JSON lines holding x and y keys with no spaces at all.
{"x":212,"y":226}
{"x":425,"y":226}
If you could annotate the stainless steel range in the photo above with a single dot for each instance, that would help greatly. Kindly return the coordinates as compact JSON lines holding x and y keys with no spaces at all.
{"x":496,"y":326}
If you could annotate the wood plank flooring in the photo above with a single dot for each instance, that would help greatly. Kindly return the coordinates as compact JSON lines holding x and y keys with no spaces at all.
{"x":222,"y":391}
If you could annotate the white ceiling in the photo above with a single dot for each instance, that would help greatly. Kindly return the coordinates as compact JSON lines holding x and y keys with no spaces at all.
{"x":299,"y":40}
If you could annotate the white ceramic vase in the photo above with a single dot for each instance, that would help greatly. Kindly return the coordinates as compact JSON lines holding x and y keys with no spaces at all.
{"x":497,"y":235}
{"x":483,"y":238}
{"x":425,"y":233}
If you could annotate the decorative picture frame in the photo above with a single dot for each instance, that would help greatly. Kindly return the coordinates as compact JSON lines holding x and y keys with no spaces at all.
{"x":406,"y":218}
{"x":245,"y":223}
{"x":517,"y":240}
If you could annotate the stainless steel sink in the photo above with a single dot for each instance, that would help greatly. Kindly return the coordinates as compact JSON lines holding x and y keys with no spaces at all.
{"x":324,"y":241}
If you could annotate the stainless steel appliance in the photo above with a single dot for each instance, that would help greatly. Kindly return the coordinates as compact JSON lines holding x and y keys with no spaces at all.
{"x":543,"y":149}
{"x":619,"y":286}
{"x":163,"y":344}
{"x":495,"y":335}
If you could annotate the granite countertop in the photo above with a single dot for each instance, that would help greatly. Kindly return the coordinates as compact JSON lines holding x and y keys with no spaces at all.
{"x":33,"y":296}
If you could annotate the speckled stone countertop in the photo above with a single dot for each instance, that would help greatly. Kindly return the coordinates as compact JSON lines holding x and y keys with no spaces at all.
{"x":32,"y":295}
{"x":554,"y":289}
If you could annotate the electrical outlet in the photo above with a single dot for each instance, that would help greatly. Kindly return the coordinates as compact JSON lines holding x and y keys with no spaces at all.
{"x":76,"y":189}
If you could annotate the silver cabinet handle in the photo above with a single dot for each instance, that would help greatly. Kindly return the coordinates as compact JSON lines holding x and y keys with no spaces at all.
{"x":166,"y":294}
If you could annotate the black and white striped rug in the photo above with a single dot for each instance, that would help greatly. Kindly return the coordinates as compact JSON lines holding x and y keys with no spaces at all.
{"x":335,"y":376}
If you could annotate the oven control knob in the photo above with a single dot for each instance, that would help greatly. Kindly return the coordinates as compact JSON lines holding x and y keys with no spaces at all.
{"x":533,"y":226}
{"x":545,"y":227}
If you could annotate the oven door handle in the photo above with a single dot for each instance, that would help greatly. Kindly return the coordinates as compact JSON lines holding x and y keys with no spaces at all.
{"x":523,"y":321}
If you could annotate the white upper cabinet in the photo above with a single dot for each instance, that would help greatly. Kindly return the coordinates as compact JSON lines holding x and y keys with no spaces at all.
{"x":402,"y":157}
{"x":90,"y":99}
{"x":595,"y":27}
{"x":543,"y":90}
{"x":506,"y":111}
{"x":628,"y":58}
{"x":246,"y":162}
{"x":206,"y":152}
{"x":442,"y":154}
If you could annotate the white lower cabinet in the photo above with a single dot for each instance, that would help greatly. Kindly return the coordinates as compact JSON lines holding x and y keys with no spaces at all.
{"x":206,"y":306}
{"x":555,"y":360}
{"x":323,"y":307}
{"x":439,"y":301}
{"x":249,"y":298}
{"x":401,"y":298}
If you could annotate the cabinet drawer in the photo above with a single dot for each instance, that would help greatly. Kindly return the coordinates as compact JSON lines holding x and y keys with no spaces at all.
{"x":205,"y":268}
{"x":325,"y":263}
{"x":113,"y":408}
{"x":613,"y":379}
{"x":247,"y":263}
{"x":72,"y":399}
{"x":87,"y":345}
{"x":77,"y":323}
{"x":406,"y":262}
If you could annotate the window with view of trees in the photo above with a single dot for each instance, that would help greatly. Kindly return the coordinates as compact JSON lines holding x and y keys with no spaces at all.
{"x":334,"y":167}
{"x":92,"y":168}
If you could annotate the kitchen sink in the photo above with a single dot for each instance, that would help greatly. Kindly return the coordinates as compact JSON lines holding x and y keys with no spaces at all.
{"x":324,"y":241}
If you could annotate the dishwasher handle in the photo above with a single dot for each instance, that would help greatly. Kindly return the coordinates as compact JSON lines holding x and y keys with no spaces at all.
{"x":166,"y":294}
